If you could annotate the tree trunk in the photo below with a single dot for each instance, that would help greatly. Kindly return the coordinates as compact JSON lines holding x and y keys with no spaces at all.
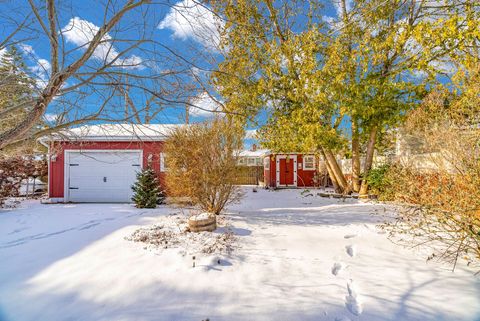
{"x":368,"y":161}
{"x":33,"y":117}
{"x":355,"y":156}
{"x":337,"y":171}
{"x":331,"y":175}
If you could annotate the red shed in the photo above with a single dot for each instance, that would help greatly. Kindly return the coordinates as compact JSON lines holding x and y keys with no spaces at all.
{"x":290,"y":170}
{"x":98,"y":163}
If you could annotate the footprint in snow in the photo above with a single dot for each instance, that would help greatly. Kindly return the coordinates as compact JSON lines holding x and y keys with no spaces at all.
{"x":337,"y":268}
{"x":350,"y":236}
{"x":353,"y":300}
{"x":351,"y":250}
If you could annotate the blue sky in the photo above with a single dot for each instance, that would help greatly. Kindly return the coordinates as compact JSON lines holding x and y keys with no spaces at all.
{"x":177,"y":31}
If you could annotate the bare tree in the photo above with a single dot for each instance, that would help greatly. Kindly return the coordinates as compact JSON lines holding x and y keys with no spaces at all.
{"x":118,"y":71}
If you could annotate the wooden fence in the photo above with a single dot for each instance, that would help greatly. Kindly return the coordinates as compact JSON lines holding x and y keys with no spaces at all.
{"x":250,"y":175}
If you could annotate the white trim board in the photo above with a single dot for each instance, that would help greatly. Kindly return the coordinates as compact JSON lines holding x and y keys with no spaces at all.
{"x":309,"y":168}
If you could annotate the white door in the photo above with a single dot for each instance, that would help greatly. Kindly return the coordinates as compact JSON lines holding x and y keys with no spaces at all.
{"x":101,"y":176}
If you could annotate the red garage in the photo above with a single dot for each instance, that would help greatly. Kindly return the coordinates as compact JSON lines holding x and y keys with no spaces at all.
{"x":99,"y":163}
{"x":290,"y":170}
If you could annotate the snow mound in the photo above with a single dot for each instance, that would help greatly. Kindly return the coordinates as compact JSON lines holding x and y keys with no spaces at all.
{"x":200,"y":217}
{"x":172,"y":233}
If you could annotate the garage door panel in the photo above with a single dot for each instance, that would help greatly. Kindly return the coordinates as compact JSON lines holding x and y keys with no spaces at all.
{"x":102,"y":176}
{"x":104,"y":159}
{"x":96,"y":182}
{"x":94,"y":173}
{"x":100,"y":195}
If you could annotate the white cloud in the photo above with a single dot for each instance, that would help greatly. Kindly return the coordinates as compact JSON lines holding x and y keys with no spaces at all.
{"x":50,"y":117}
{"x":81,"y":32}
{"x":251,"y":133}
{"x":336,"y":22}
{"x":41,"y":68}
{"x":27,"y":49}
{"x":338,"y":7}
{"x":444,"y":65}
{"x":204,"y":105}
{"x":329,"y":20}
{"x":189,"y":19}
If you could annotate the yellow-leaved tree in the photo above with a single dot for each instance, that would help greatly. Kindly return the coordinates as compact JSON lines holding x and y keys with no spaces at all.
{"x":325,"y":82}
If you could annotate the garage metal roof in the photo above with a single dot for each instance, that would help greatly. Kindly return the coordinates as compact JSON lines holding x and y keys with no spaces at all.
{"x":116,"y":132}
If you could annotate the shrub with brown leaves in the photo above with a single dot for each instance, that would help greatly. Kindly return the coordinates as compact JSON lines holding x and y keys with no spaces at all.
{"x":442,"y":200}
{"x":202,"y":164}
{"x":14,"y":169}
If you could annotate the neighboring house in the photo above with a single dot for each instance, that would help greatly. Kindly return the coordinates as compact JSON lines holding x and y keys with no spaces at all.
{"x":250,"y":163}
{"x":98,"y":163}
{"x":253,"y":157}
{"x":290,"y":170}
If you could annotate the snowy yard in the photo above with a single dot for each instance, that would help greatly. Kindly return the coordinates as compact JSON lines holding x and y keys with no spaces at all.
{"x":295,"y":258}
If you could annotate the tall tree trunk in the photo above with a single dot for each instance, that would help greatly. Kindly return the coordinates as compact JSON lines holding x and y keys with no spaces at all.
{"x":368,"y":161}
{"x":336,"y":187}
{"x":355,"y":156}
{"x":336,"y":171}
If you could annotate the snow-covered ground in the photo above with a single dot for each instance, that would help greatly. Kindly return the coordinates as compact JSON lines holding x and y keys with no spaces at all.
{"x":296,"y":258}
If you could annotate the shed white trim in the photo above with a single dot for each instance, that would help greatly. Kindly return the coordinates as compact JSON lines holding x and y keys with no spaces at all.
{"x":277,"y":169}
{"x":309,"y":160}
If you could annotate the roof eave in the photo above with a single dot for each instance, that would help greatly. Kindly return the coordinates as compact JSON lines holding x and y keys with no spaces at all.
{"x":104,"y":138}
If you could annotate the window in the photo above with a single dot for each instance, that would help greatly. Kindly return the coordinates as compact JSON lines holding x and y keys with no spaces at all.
{"x":309,"y":163}
{"x":163,"y":165}
{"x":251,"y":161}
{"x":241,"y":161}
{"x":266,"y":163}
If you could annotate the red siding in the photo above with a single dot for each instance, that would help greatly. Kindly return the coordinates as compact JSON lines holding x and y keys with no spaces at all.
{"x":56,"y":174}
{"x":304,"y":178}
{"x":269,"y":175}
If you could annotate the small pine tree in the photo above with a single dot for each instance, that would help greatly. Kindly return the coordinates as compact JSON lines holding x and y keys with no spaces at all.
{"x":147,"y":192}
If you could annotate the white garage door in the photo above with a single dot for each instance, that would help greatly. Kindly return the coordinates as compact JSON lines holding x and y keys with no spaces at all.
{"x":101,"y":176}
